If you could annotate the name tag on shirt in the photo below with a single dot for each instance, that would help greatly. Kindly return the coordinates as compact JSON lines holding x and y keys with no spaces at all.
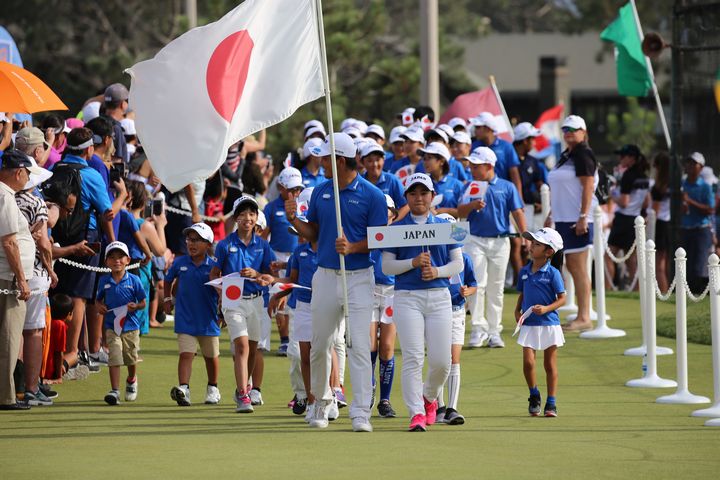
{"x":233,"y":249}
{"x":183,"y":269}
{"x":280,"y":214}
{"x":326,"y":196}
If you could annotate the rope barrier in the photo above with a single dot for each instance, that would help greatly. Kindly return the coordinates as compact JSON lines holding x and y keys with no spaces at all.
{"x":5,"y":291}
{"x":188,"y":213}
{"x":615,"y":259}
{"x":92,"y":268}
{"x":666,"y":296}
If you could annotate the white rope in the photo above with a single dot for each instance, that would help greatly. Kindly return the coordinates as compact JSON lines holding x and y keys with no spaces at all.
{"x":5,"y":291}
{"x":699,"y":298}
{"x":188,"y":213}
{"x":619,"y":259}
{"x":92,"y":268}
{"x":666,"y":297}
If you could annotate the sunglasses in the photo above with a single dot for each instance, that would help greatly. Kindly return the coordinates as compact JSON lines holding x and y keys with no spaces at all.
{"x":570,"y":129}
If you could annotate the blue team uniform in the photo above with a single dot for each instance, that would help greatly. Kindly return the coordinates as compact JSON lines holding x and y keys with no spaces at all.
{"x":501,"y":198}
{"x":310,"y":180}
{"x":390,"y":185}
{"x":507,"y":157}
{"x":195,"y":302}
{"x":467,"y":278}
{"x":281,"y":240}
{"x":304,"y":260}
{"x":128,"y":290}
{"x":540,"y":288}
{"x":233,"y":255}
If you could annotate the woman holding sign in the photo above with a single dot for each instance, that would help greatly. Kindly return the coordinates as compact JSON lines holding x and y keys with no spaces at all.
{"x":422,"y":306}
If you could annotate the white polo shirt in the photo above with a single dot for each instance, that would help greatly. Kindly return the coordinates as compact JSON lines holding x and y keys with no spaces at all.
{"x":12,"y":221}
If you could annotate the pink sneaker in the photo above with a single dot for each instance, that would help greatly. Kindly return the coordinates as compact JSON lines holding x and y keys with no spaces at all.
{"x":418,"y":423}
{"x":430,"y":411}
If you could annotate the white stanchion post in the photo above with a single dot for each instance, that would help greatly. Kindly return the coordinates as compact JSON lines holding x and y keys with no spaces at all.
{"x":651,"y":223}
{"x":544,"y":202}
{"x":602,"y":330}
{"x":682,"y":395}
{"x":714,"y":411}
{"x":641,"y":266}
{"x":651,"y":378}
{"x":570,"y":306}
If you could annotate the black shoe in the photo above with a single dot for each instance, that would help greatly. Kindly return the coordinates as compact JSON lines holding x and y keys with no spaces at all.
{"x":534,"y":405}
{"x":453,"y":417}
{"x":299,"y":406}
{"x":440,"y":414}
{"x":550,"y":410}
{"x":385,"y":410}
{"x":47,"y":391}
{"x":15,"y":406}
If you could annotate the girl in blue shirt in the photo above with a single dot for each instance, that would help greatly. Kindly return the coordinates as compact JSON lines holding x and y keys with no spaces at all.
{"x":422,"y":307}
{"x":542,"y":292}
{"x":435,"y":162}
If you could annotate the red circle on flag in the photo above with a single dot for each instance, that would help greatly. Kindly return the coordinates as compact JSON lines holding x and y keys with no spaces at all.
{"x":233,"y":292}
{"x":474,"y":189}
{"x":388,"y":311}
{"x":379,"y":237}
{"x":402,"y":173}
{"x":227,"y":72}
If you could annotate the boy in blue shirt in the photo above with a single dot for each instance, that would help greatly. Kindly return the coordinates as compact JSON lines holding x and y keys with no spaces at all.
{"x":116,"y":290}
{"x":196,"y":318}
{"x":542,"y":292}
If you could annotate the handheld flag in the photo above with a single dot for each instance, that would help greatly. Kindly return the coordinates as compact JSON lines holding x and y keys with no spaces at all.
{"x":523,"y":317}
{"x":119,"y":315}
{"x":281,"y":287}
{"x":232,"y":291}
{"x":387,"y":314}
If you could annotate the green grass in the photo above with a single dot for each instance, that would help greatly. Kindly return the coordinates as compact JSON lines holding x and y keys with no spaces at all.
{"x":698,"y":322}
{"x":605,"y":430}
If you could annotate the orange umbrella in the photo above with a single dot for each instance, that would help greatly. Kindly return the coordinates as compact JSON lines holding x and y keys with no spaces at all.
{"x":23,"y":92}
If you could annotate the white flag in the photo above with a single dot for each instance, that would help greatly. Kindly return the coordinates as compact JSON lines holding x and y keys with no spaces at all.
{"x":217,"y":84}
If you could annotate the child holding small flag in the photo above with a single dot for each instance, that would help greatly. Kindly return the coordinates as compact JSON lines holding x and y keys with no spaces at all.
{"x":120,"y":296}
{"x":542,"y":292}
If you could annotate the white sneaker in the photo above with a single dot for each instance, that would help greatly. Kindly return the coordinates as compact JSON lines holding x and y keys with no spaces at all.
{"x":131,"y":391}
{"x":256,"y":397}
{"x":332,"y":411}
{"x":181,"y":395}
{"x":309,"y":412}
{"x":100,"y":356}
{"x":361,"y":424}
{"x":212,"y":397}
{"x":477,"y":339}
{"x":496,"y":341}
{"x":319,"y":418}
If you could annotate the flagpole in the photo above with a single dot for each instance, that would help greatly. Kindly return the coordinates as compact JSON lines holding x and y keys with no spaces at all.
{"x":502,"y":107}
{"x":648,"y":65}
{"x":336,"y":188}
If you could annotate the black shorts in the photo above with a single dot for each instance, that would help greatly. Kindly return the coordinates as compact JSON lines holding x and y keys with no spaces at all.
{"x":622,"y":233}
{"x":663,"y":242}
{"x":77,"y":282}
{"x":176,"y":223}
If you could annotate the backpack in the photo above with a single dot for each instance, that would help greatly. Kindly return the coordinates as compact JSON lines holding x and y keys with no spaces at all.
{"x":73,"y":228}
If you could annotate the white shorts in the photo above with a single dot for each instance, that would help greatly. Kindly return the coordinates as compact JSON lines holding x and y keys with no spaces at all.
{"x":302,"y":322}
{"x":380,"y":296}
{"x":36,"y":304}
{"x":458,"y":325}
{"x":246,"y":320}
{"x":542,"y":337}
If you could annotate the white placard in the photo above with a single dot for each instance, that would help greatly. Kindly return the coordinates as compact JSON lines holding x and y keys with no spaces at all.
{"x":417,"y":235}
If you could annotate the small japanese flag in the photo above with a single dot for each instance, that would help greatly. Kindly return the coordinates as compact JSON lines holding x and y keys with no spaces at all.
{"x":232,"y":291}
{"x":405,"y":172}
{"x":281,"y":287}
{"x":475,"y":191}
{"x":119,"y":315}
{"x":387,"y":314}
{"x":523,"y":317}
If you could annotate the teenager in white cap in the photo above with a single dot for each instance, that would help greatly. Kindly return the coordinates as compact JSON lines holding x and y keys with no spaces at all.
{"x":508,"y":163}
{"x":489,"y":244}
{"x":440,"y":136}
{"x":373,"y":159}
{"x":396,"y":147}
{"x":436,"y":164}
{"x":422,"y":307}
{"x":413,"y":140}
{"x":458,"y":124}
{"x":362,"y":206}
{"x":533,"y":172}
{"x":460,"y":148}
{"x":312,"y":173}
{"x":542,"y":292}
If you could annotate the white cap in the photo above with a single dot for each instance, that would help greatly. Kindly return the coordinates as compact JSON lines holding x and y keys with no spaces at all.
{"x":525,"y":130}
{"x":436,"y":131}
{"x":128,"y":126}
{"x":309,"y":145}
{"x":313,"y":123}
{"x":315,"y":130}
{"x":202,"y":229}
{"x":354,"y":132}
{"x":437,"y":148}
{"x":390,"y":202}
{"x":546,"y":236}
{"x":344,"y":146}
{"x":37,"y":175}
{"x":482,"y":155}
{"x":290,"y":177}
{"x":369,"y":147}
{"x":117,"y":246}
{"x":457,"y":122}
{"x":446,"y":216}
{"x":414,"y":134}
{"x":574,"y":121}
{"x":407,"y":117}
{"x":244,"y":199}
{"x":348,"y":122}
{"x":90,"y":111}
{"x":396,"y":134}
{"x":462,"y":137}
{"x":419,"y":178}
{"x":697,"y":157}
{"x":708,"y":176}
{"x":447,"y":129}
{"x":261,"y":220}
{"x":361,"y":126}
{"x":376,"y":129}
{"x":485,"y":119}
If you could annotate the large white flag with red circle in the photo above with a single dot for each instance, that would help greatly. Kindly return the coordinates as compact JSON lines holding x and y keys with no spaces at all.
{"x":217,"y":84}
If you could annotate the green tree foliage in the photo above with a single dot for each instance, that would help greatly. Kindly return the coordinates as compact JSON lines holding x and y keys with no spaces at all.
{"x":635,"y":126}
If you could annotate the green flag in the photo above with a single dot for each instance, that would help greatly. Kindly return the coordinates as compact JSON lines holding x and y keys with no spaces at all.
{"x":633,"y":78}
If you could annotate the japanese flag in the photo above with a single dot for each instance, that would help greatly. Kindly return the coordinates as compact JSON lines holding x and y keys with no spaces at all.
{"x":475,"y":190}
{"x":232,"y":291}
{"x":119,"y":314}
{"x":405,"y":172}
{"x":217,"y":84}
{"x":387,"y":314}
{"x":281,"y":287}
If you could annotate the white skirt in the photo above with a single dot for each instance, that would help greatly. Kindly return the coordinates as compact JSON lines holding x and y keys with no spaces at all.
{"x":541,"y":337}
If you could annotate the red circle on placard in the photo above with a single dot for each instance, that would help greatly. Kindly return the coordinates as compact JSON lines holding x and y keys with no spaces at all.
{"x":379,"y":237}
{"x":388,"y":311}
{"x":233,"y":292}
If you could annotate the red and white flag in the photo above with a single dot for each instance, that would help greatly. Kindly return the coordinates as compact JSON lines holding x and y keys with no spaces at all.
{"x":387,"y":314}
{"x":119,"y":314}
{"x":405,"y":172}
{"x":549,"y":124}
{"x":281,"y":287}
{"x":475,"y":191}
{"x":469,"y":105}
{"x":232,"y":291}
{"x":217,"y":84}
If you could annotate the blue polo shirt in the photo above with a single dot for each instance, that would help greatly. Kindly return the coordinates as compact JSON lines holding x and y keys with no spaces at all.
{"x":362,"y":205}
{"x":232,"y":255}
{"x":701,"y":192}
{"x":501,"y":198}
{"x":195,"y":302}
{"x":391,"y":185}
{"x":451,"y":189}
{"x":93,"y":191}
{"x":540,"y":288}
{"x":128,"y":290}
{"x":439,"y":255}
{"x":506,"y":156}
{"x":281,"y":240}
{"x":389,"y":159}
{"x":126,"y":228}
{"x":380,"y":277}
{"x":304,"y":260}
{"x":466,"y":277}
{"x":310,"y":180}
{"x":98,"y":165}
{"x":456,"y":170}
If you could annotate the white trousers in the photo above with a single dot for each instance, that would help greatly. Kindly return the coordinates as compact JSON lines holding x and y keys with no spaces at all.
{"x":424,"y":320}
{"x":490,"y":258}
{"x":327,"y":315}
{"x":293,"y":353}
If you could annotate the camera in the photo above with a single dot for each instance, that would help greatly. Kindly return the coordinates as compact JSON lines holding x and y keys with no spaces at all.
{"x":118,"y":171}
